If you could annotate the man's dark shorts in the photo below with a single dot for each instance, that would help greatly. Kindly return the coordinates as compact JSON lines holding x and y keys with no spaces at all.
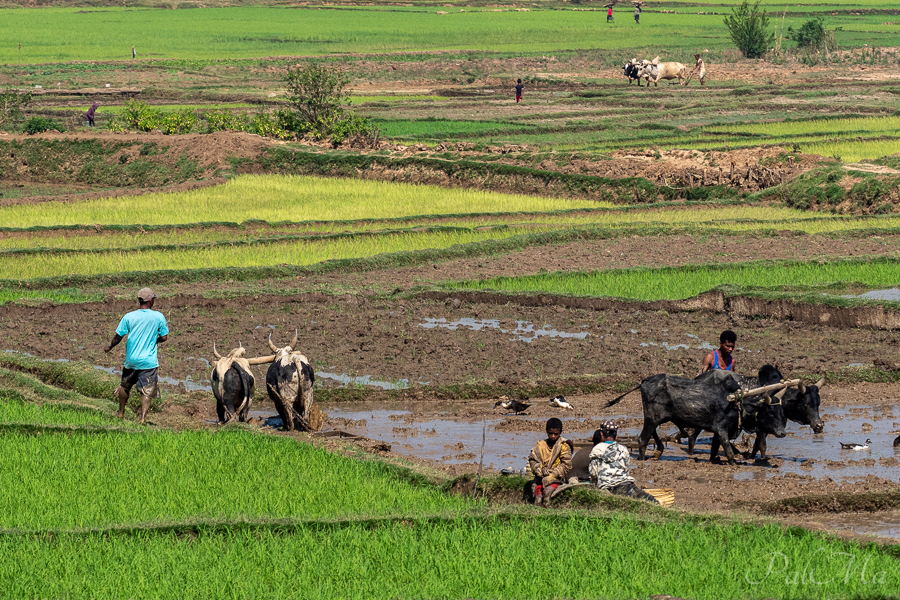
{"x":144,"y":379}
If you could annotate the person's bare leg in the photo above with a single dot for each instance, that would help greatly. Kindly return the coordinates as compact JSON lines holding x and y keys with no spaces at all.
{"x":122,"y":395}
{"x":146,"y":397}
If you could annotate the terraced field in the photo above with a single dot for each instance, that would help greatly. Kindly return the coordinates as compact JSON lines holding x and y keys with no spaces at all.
{"x":575,"y":243}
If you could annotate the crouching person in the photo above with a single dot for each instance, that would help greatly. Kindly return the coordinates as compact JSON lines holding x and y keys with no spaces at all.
{"x":550,"y":461}
{"x":610,"y":463}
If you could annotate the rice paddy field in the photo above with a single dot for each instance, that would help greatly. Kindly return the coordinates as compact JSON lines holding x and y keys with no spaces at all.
{"x":572,"y":244}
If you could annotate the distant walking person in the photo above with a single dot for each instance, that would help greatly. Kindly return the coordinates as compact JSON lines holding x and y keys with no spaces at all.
{"x":519,"y":88}
{"x":637,"y":14}
{"x":146,"y":329}
{"x":609,"y":17}
{"x":133,"y":53}
{"x":89,"y":115}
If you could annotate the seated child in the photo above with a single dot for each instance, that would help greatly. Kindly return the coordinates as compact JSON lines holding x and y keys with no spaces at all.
{"x":610,"y":463}
{"x":550,"y":461}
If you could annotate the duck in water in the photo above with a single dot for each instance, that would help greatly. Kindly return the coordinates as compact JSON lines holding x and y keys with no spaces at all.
{"x":855,"y":446}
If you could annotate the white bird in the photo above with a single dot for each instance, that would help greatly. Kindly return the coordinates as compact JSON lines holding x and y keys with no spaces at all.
{"x":855,"y":446}
{"x":560,"y":402}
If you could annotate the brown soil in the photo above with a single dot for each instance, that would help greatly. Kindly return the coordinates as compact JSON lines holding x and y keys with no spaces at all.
{"x":362,"y":334}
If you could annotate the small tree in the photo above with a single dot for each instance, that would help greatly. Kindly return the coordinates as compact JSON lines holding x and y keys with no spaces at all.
{"x":321,"y":106}
{"x":747,"y":26}
{"x":318,"y":95}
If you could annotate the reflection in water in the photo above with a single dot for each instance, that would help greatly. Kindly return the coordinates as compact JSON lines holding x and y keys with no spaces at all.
{"x":401,"y":384}
{"x":523,"y":332}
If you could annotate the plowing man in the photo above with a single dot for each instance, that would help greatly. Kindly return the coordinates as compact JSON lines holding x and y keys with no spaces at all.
{"x":699,"y":69}
{"x":146,"y":329}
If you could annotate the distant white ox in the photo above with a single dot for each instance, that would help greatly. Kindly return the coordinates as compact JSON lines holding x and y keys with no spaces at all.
{"x":654,"y":70}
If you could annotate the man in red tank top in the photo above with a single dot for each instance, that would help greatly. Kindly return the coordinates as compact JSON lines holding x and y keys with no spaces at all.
{"x":721,"y":358}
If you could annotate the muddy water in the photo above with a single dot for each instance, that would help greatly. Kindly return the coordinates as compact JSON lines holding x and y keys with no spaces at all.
{"x":453,"y":440}
{"x":524,"y":331}
{"x":882,"y":524}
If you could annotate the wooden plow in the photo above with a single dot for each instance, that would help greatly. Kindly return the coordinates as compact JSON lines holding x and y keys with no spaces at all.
{"x":781,"y":388}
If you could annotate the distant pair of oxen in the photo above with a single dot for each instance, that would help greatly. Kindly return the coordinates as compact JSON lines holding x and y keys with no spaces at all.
{"x":289,"y":382}
{"x":654,"y":70}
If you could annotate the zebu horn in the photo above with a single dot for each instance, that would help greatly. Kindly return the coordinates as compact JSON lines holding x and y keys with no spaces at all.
{"x":767,"y":399}
{"x":801,"y":388}
{"x":216,"y":354}
{"x":820,"y":383}
{"x":261,"y":360}
{"x":271,"y":345}
{"x":781,"y":394}
{"x":294,"y":341}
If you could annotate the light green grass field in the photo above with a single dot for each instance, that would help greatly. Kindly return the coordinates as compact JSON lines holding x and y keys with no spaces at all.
{"x":68,"y":34}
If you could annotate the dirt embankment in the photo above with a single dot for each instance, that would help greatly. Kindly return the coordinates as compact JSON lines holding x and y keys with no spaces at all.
{"x":185,"y":161}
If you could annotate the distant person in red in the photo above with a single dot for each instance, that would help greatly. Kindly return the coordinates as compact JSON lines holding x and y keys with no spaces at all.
{"x":609,"y":18}
{"x":519,"y":88}
{"x":89,"y":115}
{"x":721,"y":358}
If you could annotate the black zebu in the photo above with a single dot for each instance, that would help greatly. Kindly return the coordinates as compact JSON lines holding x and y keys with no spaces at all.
{"x":770,"y":419}
{"x":233,"y":383}
{"x":290,"y":381}
{"x":801,"y":405}
{"x":700,"y":403}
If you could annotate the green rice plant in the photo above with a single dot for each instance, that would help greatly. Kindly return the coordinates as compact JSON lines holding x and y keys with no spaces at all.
{"x":279,"y":198}
{"x":291,"y":253}
{"x":435,"y":127}
{"x":854,"y":151}
{"x":102,"y":480}
{"x":15,"y":408}
{"x":816,"y":126}
{"x":490,"y":557}
{"x":63,"y":296}
{"x":366,"y":99}
{"x":59,"y":379}
{"x":676,"y":283}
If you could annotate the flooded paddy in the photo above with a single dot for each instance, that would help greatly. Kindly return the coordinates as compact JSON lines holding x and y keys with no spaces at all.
{"x":446,"y":435}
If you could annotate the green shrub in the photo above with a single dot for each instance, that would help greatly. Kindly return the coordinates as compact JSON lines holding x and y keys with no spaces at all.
{"x":41,"y":124}
{"x":352,"y":126}
{"x":224,"y":120}
{"x":137,"y":115}
{"x":182,"y":121}
{"x":267,"y":126}
{"x":813,"y":35}
{"x":11,"y":104}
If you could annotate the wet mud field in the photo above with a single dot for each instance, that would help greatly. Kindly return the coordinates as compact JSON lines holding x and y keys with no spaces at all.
{"x":428,"y":372}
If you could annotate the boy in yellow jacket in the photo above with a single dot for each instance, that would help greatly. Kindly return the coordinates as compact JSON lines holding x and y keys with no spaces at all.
{"x":550,"y":461}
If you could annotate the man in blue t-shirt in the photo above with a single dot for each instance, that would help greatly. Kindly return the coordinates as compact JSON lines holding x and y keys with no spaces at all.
{"x":145,"y":328}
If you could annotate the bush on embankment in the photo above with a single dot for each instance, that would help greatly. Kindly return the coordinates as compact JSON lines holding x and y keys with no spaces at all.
{"x":836,"y":189}
{"x":94,"y":162}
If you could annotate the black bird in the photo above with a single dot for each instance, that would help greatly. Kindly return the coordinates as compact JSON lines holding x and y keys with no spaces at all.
{"x":855,"y":446}
{"x":512,"y":405}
